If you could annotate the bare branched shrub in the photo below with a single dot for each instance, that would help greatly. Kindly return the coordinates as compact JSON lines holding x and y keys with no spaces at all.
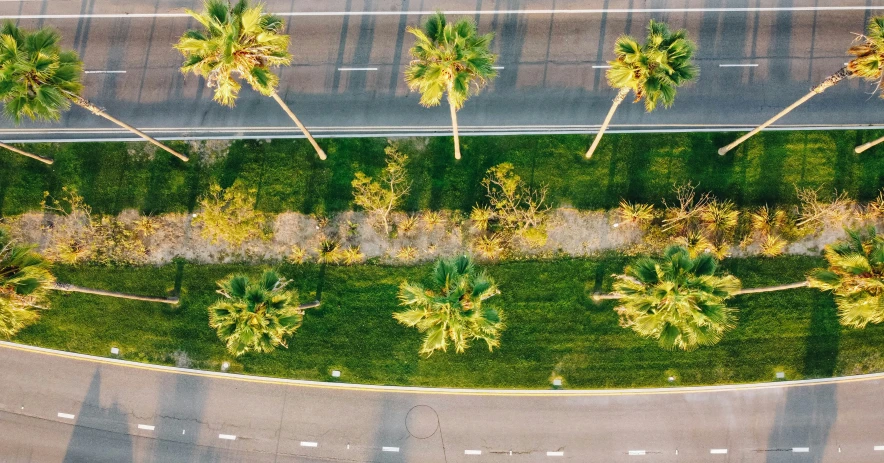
{"x":70,"y":220}
{"x":815,"y":213}
{"x":380,"y":197}
{"x":685,"y":214}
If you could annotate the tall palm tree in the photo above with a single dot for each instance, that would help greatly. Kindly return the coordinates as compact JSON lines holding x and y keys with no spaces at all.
{"x":256,"y":315}
{"x":453,"y":309}
{"x":449,"y":59}
{"x":856,"y":277}
{"x":239,"y":41}
{"x":25,"y":280}
{"x":677,"y":300}
{"x":39,"y":80}
{"x":652,"y":71}
{"x":867,"y":63}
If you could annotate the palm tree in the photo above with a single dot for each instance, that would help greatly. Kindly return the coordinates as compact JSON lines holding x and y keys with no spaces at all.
{"x":39,"y":80}
{"x":239,"y":42}
{"x":453,"y":310}
{"x":856,"y":277}
{"x":256,"y":315}
{"x":652,"y":71}
{"x":867,"y":63}
{"x":25,"y":279}
{"x":677,"y":300}
{"x":449,"y":59}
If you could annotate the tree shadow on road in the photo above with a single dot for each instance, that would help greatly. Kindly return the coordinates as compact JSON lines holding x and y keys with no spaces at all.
{"x":100,"y":434}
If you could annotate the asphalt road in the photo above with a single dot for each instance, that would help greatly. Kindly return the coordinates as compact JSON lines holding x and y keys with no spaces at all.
{"x":61,"y":409}
{"x":755,"y":56}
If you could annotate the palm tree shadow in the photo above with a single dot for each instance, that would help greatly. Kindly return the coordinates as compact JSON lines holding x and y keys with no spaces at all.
{"x":810,"y":412}
{"x":100,"y":434}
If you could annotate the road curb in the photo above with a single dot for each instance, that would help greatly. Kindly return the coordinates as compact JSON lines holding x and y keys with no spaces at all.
{"x":438,"y":390}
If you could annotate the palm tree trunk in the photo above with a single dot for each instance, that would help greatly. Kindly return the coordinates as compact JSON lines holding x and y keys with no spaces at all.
{"x":842,"y":74}
{"x":454,"y":129}
{"x":304,"y":130}
{"x":861,"y":148}
{"x":98,"y":292}
{"x":767,"y":289}
{"x":85,"y":104}
{"x":763,"y":289}
{"x":621,"y":95}
{"x":25,"y":153}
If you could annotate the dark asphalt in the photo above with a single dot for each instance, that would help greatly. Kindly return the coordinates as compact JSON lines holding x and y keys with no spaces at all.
{"x":547,"y":83}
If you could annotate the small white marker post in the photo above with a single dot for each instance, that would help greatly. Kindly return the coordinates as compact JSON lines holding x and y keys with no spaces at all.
{"x":390,"y":449}
{"x":636,"y":453}
{"x":472,"y":452}
{"x":115,"y":351}
{"x":66,"y":416}
{"x":718,"y":451}
{"x":555,"y":454}
{"x":146,"y":427}
{"x":336,"y":373}
{"x":800,"y":449}
{"x":309,"y":444}
{"x":226,"y":436}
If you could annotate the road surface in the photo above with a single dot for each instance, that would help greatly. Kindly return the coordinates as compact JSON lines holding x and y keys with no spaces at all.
{"x":57,"y":408}
{"x":755,"y":56}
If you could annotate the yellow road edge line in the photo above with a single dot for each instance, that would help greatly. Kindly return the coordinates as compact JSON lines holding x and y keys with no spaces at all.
{"x":435,"y":391}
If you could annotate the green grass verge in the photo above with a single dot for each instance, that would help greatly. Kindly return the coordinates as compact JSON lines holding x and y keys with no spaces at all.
{"x":553,"y":328}
{"x":641,"y":167}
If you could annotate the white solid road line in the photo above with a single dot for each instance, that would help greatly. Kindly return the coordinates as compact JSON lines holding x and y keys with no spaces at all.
{"x":472,"y":452}
{"x":637,"y":452}
{"x":309,"y":444}
{"x":600,"y":66}
{"x":65,"y":415}
{"x":465,"y":12}
{"x":496,"y":67}
{"x":555,"y":454}
{"x":390,"y":449}
{"x":146,"y":427}
{"x":104,"y":72}
{"x":718,"y":451}
{"x":738,"y":65}
{"x":357,"y":69}
{"x":800,"y":449}
{"x":226,"y":436}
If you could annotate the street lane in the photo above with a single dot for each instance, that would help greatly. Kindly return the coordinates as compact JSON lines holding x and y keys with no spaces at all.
{"x":547,"y":84}
{"x":271,"y":421}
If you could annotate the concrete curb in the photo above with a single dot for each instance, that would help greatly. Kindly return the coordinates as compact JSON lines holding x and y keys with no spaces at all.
{"x":437,"y":390}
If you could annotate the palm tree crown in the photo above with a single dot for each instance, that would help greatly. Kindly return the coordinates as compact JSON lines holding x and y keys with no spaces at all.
{"x":449,"y":57}
{"x":654,"y":70}
{"x":238,"y":41}
{"x":868,"y":54}
{"x":36,"y":76}
{"x":856,"y":277}
{"x":24,"y":281}
{"x":677,"y":300}
{"x":453,"y":310}
{"x":255,"y":315}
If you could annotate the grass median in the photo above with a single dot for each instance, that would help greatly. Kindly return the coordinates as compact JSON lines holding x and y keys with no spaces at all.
{"x":641,"y":167}
{"x":553,"y":328}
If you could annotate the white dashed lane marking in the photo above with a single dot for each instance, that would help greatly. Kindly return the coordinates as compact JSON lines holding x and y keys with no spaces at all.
{"x":226,"y":436}
{"x":65,"y":415}
{"x":146,"y":427}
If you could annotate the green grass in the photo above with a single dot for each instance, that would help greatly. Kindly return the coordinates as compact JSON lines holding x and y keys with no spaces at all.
{"x":641,"y":167}
{"x":553,"y":328}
